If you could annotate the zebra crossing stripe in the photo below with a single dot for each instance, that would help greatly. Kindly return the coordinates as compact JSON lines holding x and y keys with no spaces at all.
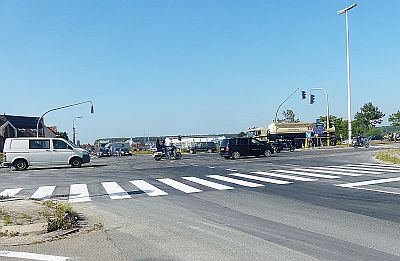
{"x":378,"y":165}
{"x":236,"y":181}
{"x":179,"y":186}
{"x":344,"y":172}
{"x":268,"y":180}
{"x":78,"y":193}
{"x":307,"y":174}
{"x":115,"y":191}
{"x":208,"y":183}
{"x":336,"y":172}
{"x":43,"y":193}
{"x":148,"y":188}
{"x":368,"y":182}
{"x":377,"y":168}
{"x":10,"y":192}
{"x":283,"y":176}
{"x":367,"y":170}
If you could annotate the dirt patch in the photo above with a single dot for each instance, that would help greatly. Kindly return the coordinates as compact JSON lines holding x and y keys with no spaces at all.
{"x":25,"y":222}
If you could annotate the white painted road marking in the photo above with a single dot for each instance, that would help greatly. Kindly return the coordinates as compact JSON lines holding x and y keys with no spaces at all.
{"x":10,"y":192}
{"x":78,"y":193}
{"x":368,"y":182}
{"x":236,"y":181}
{"x":336,"y":172}
{"x":283,"y":176}
{"x":365,"y":169}
{"x":208,"y":183}
{"x":179,"y":186}
{"x":377,"y":190}
{"x":268,"y":180}
{"x":378,"y":168}
{"x":307,"y":174}
{"x":43,"y":193}
{"x":148,"y":188}
{"x":32,"y":256}
{"x":231,"y":169}
{"x":115,"y":191}
{"x":347,"y":170}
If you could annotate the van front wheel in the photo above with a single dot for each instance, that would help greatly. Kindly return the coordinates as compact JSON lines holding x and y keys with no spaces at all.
{"x":20,"y":164}
{"x":76,"y":162}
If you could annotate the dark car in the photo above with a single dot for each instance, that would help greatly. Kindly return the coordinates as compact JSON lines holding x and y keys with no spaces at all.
{"x":202,"y":146}
{"x":104,"y":153}
{"x":236,"y":147}
{"x":376,"y":137}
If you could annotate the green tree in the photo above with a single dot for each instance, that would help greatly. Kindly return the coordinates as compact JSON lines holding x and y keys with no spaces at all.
{"x":394,"y":119}
{"x":367,"y":119}
{"x":63,"y":135}
{"x":289,"y":116}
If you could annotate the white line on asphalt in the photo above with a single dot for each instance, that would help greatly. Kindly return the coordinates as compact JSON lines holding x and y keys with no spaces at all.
{"x":236,"y":181}
{"x":382,"y":167}
{"x":115,"y":191}
{"x":78,"y":193}
{"x":208,"y":183}
{"x":268,"y":180}
{"x":231,"y":170}
{"x":10,"y":192}
{"x":211,"y":167}
{"x":179,"y":186}
{"x":148,"y":188}
{"x":283,"y":176}
{"x":43,"y":193}
{"x":376,"y":190}
{"x":32,"y":256}
{"x":307,"y":174}
{"x":336,"y":172}
{"x":378,"y":165}
{"x":341,"y":171}
{"x":368,"y":182}
{"x":367,"y":170}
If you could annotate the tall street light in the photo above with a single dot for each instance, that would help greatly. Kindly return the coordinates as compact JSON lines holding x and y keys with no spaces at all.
{"x":73,"y":128}
{"x":59,"y":108}
{"x":345,"y":11}
{"x":327,"y":113}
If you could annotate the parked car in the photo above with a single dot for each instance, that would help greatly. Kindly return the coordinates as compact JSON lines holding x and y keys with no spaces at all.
{"x":126,"y":152}
{"x":104,"y":152}
{"x":236,"y":147}
{"x":376,"y":137}
{"x":24,"y":152}
{"x":202,"y":146}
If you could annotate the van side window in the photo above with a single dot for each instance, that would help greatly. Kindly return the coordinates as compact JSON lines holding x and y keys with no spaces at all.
{"x":243,"y":141}
{"x":60,"y":145}
{"x":39,"y":144}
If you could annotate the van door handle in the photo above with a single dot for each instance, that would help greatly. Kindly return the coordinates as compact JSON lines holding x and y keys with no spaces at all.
{"x":48,"y":150}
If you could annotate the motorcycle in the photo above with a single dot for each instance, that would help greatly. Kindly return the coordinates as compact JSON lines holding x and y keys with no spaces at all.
{"x":171,"y":153}
{"x":360,"y":141}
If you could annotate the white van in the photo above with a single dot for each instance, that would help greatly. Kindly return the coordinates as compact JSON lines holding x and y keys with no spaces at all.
{"x":24,"y":152}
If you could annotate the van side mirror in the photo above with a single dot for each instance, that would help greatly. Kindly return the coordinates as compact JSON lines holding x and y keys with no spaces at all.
{"x":69,"y":147}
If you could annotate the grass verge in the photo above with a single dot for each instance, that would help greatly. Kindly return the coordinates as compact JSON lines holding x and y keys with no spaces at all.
{"x":392,"y":156}
{"x":59,"y":216}
{"x":1,"y":158}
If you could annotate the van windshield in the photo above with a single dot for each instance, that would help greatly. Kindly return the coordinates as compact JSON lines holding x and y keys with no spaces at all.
{"x":71,"y":144}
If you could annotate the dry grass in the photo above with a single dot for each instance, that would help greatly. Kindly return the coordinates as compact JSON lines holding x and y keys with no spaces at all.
{"x":392,"y":156}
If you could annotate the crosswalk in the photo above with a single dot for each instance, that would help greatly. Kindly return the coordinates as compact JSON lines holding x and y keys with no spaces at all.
{"x":233,"y":179}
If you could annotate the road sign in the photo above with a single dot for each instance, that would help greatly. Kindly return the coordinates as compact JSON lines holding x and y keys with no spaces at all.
{"x":308,"y":134}
{"x":319,"y":130}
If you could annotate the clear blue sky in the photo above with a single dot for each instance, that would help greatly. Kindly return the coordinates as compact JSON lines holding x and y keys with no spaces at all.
{"x":192,"y":67}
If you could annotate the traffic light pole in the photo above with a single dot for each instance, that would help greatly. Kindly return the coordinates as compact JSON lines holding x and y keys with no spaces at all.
{"x":327,"y":113}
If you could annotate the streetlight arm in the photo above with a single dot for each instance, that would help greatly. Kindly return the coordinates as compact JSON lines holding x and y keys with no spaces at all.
{"x":277,"y":110}
{"x":59,"y":108}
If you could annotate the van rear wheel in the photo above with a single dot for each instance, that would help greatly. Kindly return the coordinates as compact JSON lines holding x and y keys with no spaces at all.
{"x":235,"y":155}
{"x":76,"y":162}
{"x":20,"y":164}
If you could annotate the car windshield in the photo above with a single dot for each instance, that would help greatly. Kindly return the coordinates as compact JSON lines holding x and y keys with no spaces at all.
{"x":71,"y":144}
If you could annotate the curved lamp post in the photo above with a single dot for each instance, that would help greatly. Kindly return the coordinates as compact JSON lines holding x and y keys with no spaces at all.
{"x":59,"y":108}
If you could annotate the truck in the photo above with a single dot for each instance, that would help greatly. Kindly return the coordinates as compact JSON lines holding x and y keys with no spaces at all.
{"x":295,"y":132}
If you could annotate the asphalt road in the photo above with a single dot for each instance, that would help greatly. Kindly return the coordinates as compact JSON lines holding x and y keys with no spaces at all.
{"x":337,"y":204}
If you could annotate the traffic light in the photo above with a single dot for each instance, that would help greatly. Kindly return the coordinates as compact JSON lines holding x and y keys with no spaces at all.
{"x":180,"y":138}
{"x":303,"y":94}
{"x":312,"y":98}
